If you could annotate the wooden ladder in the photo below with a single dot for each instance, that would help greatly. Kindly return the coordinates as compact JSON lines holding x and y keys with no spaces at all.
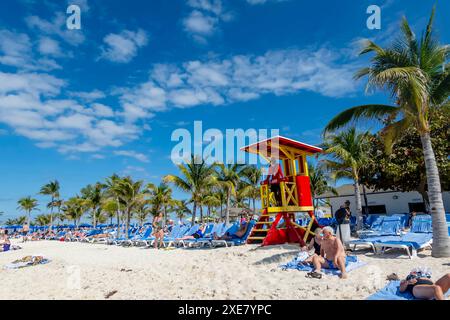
{"x":261,"y":228}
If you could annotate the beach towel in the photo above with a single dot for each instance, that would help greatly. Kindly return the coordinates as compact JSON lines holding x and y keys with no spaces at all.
{"x":352,"y":263}
{"x":392,"y":292}
{"x":27,"y":262}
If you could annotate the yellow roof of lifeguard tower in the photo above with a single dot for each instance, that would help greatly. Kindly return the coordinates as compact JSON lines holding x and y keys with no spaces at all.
{"x":281,"y":146}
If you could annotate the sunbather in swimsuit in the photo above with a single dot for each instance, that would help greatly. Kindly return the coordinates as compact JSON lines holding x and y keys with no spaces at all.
{"x":422,"y":287}
{"x":237,"y":235}
{"x":158,"y":231}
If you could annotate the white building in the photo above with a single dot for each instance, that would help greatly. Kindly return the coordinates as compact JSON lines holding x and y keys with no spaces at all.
{"x":390,"y":202}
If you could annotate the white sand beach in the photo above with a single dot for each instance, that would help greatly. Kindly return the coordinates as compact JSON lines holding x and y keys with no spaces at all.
{"x":87,"y":271}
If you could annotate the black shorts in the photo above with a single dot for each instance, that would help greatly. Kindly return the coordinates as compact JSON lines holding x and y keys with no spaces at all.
{"x":196,"y":236}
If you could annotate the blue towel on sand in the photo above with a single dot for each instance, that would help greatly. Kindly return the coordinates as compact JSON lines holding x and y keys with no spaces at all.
{"x":391,"y":292}
{"x":352,"y":263}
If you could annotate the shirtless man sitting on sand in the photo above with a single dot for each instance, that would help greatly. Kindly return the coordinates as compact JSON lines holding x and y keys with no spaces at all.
{"x":332,"y":255}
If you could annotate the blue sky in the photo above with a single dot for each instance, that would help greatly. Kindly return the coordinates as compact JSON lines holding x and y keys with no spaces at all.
{"x":79,"y":105}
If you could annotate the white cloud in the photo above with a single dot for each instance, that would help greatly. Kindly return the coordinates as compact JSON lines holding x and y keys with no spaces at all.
{"x":204,"y":19}
{"x":89,"y":96}
{"x":132,"y":154}
{"x":102,"y":110}
{"x":48,"y":46}
{"x":56,"y":27}
{"x":240,"y":78}
{"x":123,"y":47}
{"x":256,"y":2}
{"x":15,"y":48}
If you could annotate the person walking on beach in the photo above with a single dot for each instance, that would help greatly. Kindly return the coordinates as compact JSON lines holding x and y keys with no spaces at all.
{"x":342,"y":216}
{"x":158,"y":230}
{"x":332,"y":255}
{"x":25,"y":230}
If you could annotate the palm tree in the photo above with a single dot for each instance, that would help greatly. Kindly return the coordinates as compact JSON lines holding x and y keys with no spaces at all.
{"x":319,"y":182}
{"x":229,"y":176}
{"x":142,"y":211}
{"x":27,"y":204}
{"x":416,"y":74}
{"x":94,"y":193}
{"x":110,"y":208}
{"x":348,"y":156}
{"x":129,"y":194}
{"x":182,"y":209}
{"x":252,"y":176}
{"x":196,"y":178}
{"x":43,"y":219}
{"x":161,"y":198}
{"x":18,"y":221}
{"x":51,"y":189}
{"x":112,"y":193}
{"x":74,"y":208}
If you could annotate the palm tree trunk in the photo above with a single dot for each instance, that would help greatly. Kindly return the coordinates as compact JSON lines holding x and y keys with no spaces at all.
{"x":127,"y":235}
{"x":254,"y":205}
{"x":51,"y":215}
{"x":201,"y":214}
{"x":227,"y":209}
{"x":359,"y":218}
{"x":194,"y":211}
{"x":118,"y":218}
{"x":164,"y":216}
{"x":95,"y":218}
{"x":441,"y":240}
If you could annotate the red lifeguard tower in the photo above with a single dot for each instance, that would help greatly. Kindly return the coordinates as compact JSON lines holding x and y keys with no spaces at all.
{"x":295,"y":192}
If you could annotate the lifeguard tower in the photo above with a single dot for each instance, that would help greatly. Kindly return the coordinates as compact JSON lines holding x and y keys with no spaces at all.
{"x":295,"y":193}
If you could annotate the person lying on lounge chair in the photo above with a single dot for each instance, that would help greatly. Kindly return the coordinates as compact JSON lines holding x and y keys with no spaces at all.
{"x":196,"y":235}
{"x":238,"y":234}
{"x":332,"y":255}
{"x":314,"y":243}
{"x":421,"y":286}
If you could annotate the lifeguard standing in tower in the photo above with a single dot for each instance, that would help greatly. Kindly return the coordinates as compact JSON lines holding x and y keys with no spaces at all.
{"x":284,"y":193}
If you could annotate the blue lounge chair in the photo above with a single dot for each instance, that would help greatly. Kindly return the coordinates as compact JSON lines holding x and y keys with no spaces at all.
{"x":419,"y":237}
{"x":234,"y":241}
{"x":209,"y":230}
{"x":174,"y":239}
{"x":386,"y":226}
{"x":383,"y":227}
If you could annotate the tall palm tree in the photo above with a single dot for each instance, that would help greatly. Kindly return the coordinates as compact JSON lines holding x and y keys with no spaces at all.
{"x":27,"y":204}
{"x":229,"y":176}
{"x":416,"y":74}
{"x":94,"y":193}
{"x":51,"y":189}
{"x":129,"y":193}
{"x":252,"y":176}
{"x":112,"y":193}
{"x":319,"y":181}
{"x":196,"y":178}
{"x":348,"y":155}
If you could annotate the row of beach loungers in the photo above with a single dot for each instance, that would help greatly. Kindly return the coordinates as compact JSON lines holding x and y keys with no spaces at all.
{"x":142,"y":237}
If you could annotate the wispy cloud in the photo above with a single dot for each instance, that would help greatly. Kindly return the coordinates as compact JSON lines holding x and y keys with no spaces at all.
{"x":256,"y":2}
{"x":132,"y":154}
{"x":123,"y":47}
{"x":203,"y":21}
{"x":240,"y":78}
